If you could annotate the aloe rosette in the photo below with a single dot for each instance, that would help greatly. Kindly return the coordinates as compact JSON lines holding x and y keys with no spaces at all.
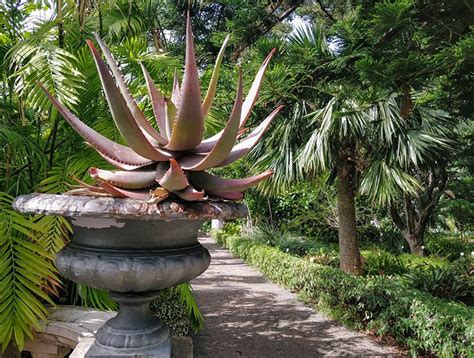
{"x":174,"y":158}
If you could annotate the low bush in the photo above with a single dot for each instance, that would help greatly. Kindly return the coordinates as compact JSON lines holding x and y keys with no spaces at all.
{"x":450,"y":247}
{"x":424,"y":323}
{"x":442,"y":282}
{"x":382,"y":263}
{"x":292,"y":243}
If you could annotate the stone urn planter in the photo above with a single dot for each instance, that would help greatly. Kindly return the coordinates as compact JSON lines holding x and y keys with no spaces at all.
{"x":133,"y":249}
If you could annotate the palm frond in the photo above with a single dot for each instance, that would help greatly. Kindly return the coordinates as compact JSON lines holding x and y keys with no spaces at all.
{"x":54,"y":67}
{"x":93,"y":297}
{"x":384,"y":183}
{"x":187,"y":296}
{"x":24,"y":268}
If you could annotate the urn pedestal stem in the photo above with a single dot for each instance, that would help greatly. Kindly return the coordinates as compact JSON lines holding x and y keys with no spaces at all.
{"x":135,"y":331}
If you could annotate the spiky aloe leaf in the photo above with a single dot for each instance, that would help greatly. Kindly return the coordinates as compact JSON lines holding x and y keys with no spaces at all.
{"x":247,"y":107}
{"x":122,"y":115}
{"x":150,"y":196}
{"x":132,"y":105}
{"x":137,"y":179}
{"x":191,"y":194}
{"x":254,"y":89}
{"x":228,"y":195}
{"x":174,"y":178}
{"x":175,"y":92}
{"x":116,"y":154}
{"x":225,"y":143}
{"x":188,"y":126}
{"x":157,"y":102}
{"x":212,"y":183}
{"x":211,"y":91}
{"x":170,"y":111}
{"x":246,"y":145}
{"x":124,"y":193}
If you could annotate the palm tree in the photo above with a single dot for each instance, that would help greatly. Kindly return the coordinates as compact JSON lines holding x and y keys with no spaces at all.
{"x":368,"y":146}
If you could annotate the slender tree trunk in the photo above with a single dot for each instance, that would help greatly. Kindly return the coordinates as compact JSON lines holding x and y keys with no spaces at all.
{"x":348,"y":246}
{"x":415,"y":242}
{"x":59,"y":16}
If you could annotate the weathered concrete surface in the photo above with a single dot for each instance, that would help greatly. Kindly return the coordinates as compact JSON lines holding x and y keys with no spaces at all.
{"x":248,"y":316}
{"x":103,"y":207}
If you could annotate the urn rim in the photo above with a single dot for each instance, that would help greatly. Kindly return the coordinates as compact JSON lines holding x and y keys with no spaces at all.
{"x":108,"y":207}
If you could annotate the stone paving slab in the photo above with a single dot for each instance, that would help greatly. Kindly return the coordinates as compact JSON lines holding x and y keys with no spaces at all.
{"x":248,"y":316}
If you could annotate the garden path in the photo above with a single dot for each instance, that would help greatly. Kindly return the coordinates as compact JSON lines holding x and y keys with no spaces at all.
{"x":248,"y":316}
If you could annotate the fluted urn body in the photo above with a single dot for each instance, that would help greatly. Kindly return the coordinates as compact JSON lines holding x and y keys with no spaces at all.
{"x":134,"y":250}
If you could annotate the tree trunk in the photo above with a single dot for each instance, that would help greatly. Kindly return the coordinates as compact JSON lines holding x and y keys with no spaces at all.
{"x":412,"y":214}
{"x":348,"y":246}
{"x":415,"y":242}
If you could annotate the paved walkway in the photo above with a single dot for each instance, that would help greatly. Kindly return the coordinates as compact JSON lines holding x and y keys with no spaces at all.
{"x":248,"y":316}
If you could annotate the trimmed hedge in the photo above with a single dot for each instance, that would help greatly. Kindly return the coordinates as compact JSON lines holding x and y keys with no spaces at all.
{"x":418,"y":320}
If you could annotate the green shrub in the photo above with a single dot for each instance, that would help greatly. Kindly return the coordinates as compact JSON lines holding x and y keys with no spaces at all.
{"x":414,"y":261}
{"x":291,"y":243}
{"x":382,"y":263}
{"x":424,"y":323}
{"x":449,"y":247}
{"x":322,"y":256}
{"x":442,"y":282}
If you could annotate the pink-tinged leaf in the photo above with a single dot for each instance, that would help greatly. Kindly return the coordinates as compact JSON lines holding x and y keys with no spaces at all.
{"x":132,"y":105}
{"x":247,"y":107}
{"x":254,"y":89}
{"x":188,"y":126}
{"x":161,"y":169}
{"x":175,"y":92}
{"x":137,"y":179}
{"x":212,"y":183}
{"x":144,"y":195}
{"x":157,"y":102}
{"x":242,"y":132}
{"x":122,"y":115}
{"x":225,"y":143}
{"x":211,"y":91}
{"x":118,"y":155}
{"x":170,"y":111}
{"x":174,"y":178}
{"x":121,"y":165}
{"x":246,"y":145}
{"x":87,"y":192}
{"x":228,"y":195}
{"x":190,"y":194}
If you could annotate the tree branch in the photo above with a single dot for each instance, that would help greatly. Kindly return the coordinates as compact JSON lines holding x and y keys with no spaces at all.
{"x":263,"y":31}
{"x":326,"y":11}
{"x":397,"y":220}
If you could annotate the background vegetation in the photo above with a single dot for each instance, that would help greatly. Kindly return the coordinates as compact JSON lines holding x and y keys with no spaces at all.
{"x":373,"y":154}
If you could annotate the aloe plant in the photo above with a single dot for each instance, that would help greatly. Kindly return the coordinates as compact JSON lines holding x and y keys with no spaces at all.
{"x":173,"y":159}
